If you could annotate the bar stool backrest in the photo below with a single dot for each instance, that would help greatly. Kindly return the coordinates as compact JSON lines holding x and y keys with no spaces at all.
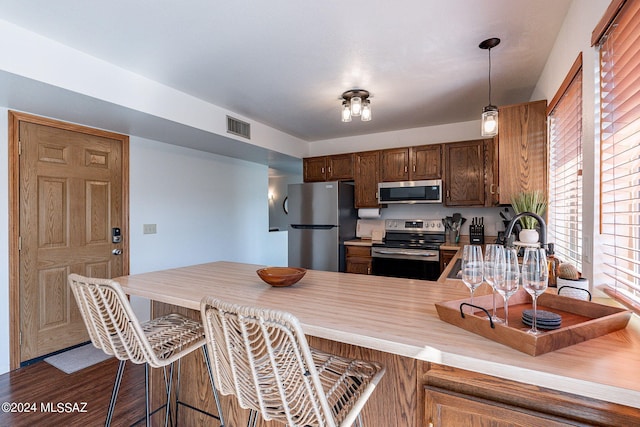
{"x":262,"y":357}
{"x":110,"y":320}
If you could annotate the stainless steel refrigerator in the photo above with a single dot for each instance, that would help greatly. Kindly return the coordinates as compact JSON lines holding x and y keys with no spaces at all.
{"x":321,"y":217}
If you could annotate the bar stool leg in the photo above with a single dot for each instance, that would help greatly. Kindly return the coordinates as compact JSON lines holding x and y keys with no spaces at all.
{"x":213,"y":385}
{"x":253,"y":418}
{"x":167,"y":410}
{"x":178,"y":390}
{"x":114,"y":393}
{"x":146,"y":391}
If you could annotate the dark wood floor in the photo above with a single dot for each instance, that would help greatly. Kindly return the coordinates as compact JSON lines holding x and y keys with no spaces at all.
{"x":42,"y":387}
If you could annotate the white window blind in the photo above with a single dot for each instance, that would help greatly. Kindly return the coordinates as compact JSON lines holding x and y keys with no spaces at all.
{"x":565,"y":188}
{"x":620,"y":153}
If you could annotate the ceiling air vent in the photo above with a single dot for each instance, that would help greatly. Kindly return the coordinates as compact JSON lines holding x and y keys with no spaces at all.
{"x":238,"y":127}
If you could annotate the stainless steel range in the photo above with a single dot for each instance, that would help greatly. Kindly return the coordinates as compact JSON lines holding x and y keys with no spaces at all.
{"x":411,"y":249}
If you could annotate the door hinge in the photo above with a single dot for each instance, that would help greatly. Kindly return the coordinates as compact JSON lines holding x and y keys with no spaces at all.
{"x":19,"y":148}
{"x":20,"y":338}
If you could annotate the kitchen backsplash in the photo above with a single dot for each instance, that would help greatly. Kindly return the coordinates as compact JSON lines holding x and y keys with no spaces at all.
{"x":492,"y":221}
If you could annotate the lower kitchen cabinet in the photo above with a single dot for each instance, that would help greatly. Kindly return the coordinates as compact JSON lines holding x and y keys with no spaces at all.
{"x":444,"y":408}
{"x":456,"y":397}
{"x":446,"y":256}
{"x":358,"y":259}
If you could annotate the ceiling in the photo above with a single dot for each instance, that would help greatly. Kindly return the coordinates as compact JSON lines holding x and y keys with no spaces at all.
{"x":285,"y":63}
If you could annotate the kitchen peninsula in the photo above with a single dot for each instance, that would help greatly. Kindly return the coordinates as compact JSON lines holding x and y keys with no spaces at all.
{"x":430,"y":364}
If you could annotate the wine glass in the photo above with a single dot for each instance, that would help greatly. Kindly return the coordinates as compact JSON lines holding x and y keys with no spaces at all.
{"x":493,"y":266}
{"x":535,"y":277}
{"x":472,"y":268}
{"x":507,"y":280}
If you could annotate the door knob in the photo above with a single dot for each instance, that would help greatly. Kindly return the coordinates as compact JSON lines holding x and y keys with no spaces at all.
{"x":117,"y":251}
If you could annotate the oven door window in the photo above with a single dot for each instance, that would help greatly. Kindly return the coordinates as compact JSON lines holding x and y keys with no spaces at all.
{"x":406,"y":268}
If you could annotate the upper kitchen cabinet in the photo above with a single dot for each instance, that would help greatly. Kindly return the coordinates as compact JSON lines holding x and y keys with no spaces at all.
{"x":521,"y":151}
{"x":314,"y":169}
{"x":366,"y":178}
{"x":395,"y":164}
{"x":328,"y":168}
{"x":412,"y":163}
{"x":464,"y":173}
{"x":426,"y":161}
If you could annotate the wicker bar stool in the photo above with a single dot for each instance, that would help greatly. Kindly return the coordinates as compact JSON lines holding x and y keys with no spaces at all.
{"x":114,"y":328}
{"x":262,"y":357}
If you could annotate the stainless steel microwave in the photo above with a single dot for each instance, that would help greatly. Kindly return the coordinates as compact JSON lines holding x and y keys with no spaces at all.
{"x":427,"y":191}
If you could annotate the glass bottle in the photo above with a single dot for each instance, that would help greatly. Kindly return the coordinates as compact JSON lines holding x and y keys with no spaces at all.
{"x":553,"y":263}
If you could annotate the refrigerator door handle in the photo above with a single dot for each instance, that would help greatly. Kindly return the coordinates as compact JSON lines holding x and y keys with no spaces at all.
{"x":312,"y":227}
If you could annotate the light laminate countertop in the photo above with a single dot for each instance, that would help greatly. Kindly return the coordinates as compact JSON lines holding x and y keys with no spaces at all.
{"x":399,"y":316}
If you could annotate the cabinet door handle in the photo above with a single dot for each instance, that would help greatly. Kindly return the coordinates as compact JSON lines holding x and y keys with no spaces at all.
{"x":322,"y":169}
{"x":329,"y":169}
{"x":405,"y":169}
{"x":414,"y":168}
{"x":491,"y":189}
{"x":448,"y":196}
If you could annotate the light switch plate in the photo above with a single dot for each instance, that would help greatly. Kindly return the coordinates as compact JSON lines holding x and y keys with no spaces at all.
{"x":149,"y":229}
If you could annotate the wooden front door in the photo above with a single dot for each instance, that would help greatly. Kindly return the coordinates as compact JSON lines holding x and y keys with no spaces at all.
{"x":72,"y":196}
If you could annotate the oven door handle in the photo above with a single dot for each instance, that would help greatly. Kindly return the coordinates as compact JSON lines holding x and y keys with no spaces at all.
{"x":383,"y":252}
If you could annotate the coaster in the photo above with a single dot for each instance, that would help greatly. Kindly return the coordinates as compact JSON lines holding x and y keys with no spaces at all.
{"x":544,"y":319}
{"x":541,"y":325}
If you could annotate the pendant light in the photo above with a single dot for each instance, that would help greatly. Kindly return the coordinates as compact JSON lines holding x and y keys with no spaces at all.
{"x":489,"y":112}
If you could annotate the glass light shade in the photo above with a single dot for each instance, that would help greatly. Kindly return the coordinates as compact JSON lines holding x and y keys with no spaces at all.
{"x":489,"y":121}
{"x":366,"y":111}
{"x":356,"y":106}
{"x":346,"y":112}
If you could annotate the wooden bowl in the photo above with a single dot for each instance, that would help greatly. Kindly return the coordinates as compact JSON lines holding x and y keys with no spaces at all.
{"x":281,"y":276}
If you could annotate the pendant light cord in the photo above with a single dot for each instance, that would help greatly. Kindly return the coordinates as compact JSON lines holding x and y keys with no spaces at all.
{"x":490,"y":76}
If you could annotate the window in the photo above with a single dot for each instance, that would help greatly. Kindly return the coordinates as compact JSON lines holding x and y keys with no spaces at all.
{"x":620,"y":150}
{"x":565,"y":172}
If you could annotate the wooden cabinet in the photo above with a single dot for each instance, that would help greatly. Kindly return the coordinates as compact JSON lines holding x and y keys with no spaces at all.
{"x":426,"y":162}
{"x":366,"y":178}
{"x":328,"y":168}
{"x":521,"y":152}
{"x":358,"y":259}
{"x":444,"y":408}
{"x":456,"y":397}
{"x":446,"y":256}
{"x":465,"y":177}
{"x":412,"y":163}
{"x":395,"y":164}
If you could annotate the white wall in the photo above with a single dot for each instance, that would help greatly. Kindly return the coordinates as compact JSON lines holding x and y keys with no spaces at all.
{"x":206,"y":208}
{"x":573,"y":38}
{"x":463,"y":131}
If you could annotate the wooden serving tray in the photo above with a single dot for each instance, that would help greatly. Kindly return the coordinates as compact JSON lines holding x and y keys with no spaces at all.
{"x":581,"y":320}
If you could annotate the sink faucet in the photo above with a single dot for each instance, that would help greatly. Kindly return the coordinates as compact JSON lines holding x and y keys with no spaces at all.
{"x":543,"y":227}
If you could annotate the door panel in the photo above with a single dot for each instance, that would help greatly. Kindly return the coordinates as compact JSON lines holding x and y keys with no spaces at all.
{"x":314,"y":249}
{"x":313,"y":203}
{"x":70,"y":197}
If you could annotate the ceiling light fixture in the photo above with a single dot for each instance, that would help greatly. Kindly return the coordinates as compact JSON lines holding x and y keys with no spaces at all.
{"x":490,"y":112}
{"x":356,"y":103}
